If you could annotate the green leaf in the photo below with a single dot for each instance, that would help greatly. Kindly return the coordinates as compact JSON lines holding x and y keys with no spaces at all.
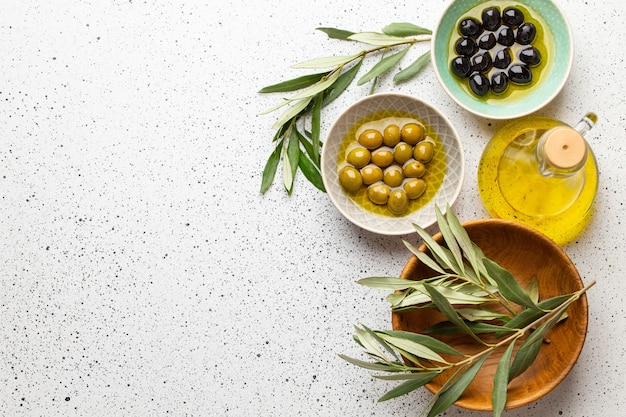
{"x":405,"y":29}
{"x":306,"y":144}
{"x":326,"y":62}
{"x":429,"y":342}
{"x":413,"y":69}
{"x":336,"y":33}
{"x":501,"y":381}
{"x":292,"y":112}
{"x":269,"y":172}
{"x":383,"y":66}
{"x":525,"y":356}
{"x":528,"y":316}
{"x":436,"y":249}
{"x":447,"y":310}
{"x":508,"y":286}
{"x":412,"y":347}
{"x":532,"y":289}
{"x":423,"y":258}
{"x":291,"y":156}
{"x":459,"y":297}
{"x":377,"y":39}
{"x":411,"y":385}
{"x":447,"y":328}
{"x":369,"y":342}
{"x":456,"y":389}
{"x":311,"y":172}
{"x":464,"y":240}
{"x":450,"y":240}
{"x":344,"y":80}
{"x":405,"y":377}
{"x":372,"y":366}
{"x":475,"y":314}
{"x":315,"y":129}
{"x":386,"y":283}
{"x":295,"y":83}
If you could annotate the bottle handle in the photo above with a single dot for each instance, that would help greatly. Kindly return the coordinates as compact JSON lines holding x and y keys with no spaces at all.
{"x":587,"y":122}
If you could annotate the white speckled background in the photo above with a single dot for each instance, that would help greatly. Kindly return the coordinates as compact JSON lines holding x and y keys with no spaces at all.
{"x":141,"y":273}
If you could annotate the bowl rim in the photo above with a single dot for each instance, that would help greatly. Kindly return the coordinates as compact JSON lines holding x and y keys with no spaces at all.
{"x":409,"y":229}
{"x":558,"y":88}
{"x":413,"y":261}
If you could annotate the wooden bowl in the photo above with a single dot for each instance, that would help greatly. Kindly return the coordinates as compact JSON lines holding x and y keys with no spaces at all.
{"x":526,"y":253}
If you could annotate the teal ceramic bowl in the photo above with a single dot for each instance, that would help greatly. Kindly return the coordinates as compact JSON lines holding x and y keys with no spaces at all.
{"x":554,"y":40}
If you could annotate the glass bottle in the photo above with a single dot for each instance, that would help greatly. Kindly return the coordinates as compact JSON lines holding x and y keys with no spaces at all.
{"x":541,"y":172}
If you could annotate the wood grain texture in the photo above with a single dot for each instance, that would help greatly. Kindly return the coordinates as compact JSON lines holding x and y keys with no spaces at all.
{"x":526,"y":254}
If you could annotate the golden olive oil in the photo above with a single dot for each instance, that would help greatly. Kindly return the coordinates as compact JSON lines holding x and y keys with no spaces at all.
{"x":512,"y":188}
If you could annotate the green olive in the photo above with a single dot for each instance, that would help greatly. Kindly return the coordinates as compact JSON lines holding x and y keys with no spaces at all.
{"x":412,"y":133}
{"x":382,"y":157}
{"x":393,"y":176}
{"x":350,"y":179}
{"x":358,"y":157}
{"x":371,"y":174}
{"x":424,"y":152}
{"x":391,"y":135}
{"x":378,"y":193}
{"x":402,"y":152}
{"x":371,"y":139}
{"x":398,"y":202}
{"x":414,"y":169}
{"x":414,"y":188}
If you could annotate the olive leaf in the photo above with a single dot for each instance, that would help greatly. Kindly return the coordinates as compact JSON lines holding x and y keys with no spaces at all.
{"x":501,"y":381}
{"x":269,"y":172}
{"x":377,"y":39}
{"x":294,"y":84}
{"x":311,"y":172}
{"x":290,"y":157}
{"x":456,"y":389}
{"x":333,"y":33}
{"x":383,"y":66}
{"x":411,"y":384}
{"x":508,"y":286}
{"x":412,"y":70}
{"x":427,"y":341}
{"x":326,"y":62}
{"x":404,"y":29}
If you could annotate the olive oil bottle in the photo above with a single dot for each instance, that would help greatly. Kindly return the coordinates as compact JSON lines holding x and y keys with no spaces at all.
{"x":541,"y":172}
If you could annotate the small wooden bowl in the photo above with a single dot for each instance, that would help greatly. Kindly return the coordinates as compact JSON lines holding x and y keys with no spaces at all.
{"x":526,"y":253}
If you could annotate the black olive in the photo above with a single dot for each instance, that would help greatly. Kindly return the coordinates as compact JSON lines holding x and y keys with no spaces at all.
{"x":481,"y":62}
{"x":461,"y":66}
{"x":520,"y":74}
{"x":470,"y":27}
{"x":530,"y":56}
{"x":505,"y":36}
{"x":512,"y":17}
{"x":499,"y":82}
{"x":479,"y":84}
{"x":487,"y":40}
{"x":526,"y":33}
{"x":491,"y":18}
{"x":502,"y":58}
{"x":465,"y":46}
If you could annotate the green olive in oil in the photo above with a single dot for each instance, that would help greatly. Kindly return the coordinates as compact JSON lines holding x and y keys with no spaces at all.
{"x":430,"y":180}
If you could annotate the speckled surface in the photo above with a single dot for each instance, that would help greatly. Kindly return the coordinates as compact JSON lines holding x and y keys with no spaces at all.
{"x":141,"y":273}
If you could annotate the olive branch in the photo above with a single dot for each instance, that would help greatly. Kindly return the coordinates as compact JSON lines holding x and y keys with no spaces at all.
{"x":297,"y":138}
{"x":467,"y":280}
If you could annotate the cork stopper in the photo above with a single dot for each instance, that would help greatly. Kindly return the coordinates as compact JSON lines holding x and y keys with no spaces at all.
{"x":564,"y":148}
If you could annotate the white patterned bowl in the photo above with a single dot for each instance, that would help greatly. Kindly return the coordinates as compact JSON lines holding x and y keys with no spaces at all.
{"x":446,"y":193}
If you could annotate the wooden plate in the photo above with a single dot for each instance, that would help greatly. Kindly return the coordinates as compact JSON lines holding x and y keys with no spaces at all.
{"x":526,"y":253}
